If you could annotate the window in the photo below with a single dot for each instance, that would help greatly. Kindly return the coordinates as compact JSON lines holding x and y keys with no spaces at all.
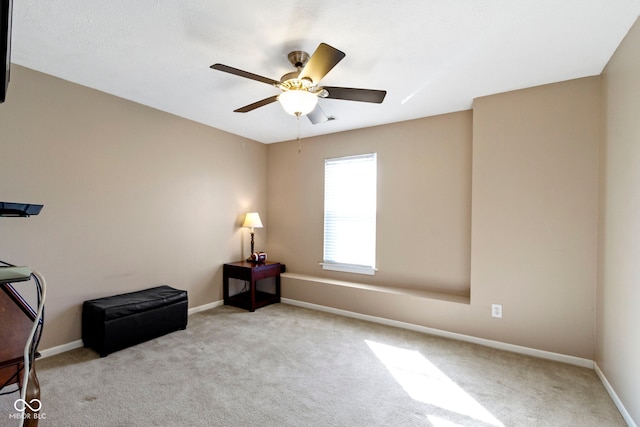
{"x":350,"y":185}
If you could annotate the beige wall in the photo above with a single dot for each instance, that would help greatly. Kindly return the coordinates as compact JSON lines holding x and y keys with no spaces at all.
{"x":618,"y":343}
{"x":528,"y":240}
{"x":535,"y":201}
{"x":133,"y":197}
{"x":424,"y":195}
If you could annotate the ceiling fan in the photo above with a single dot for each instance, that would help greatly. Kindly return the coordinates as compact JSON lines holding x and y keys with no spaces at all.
{"x":301,"y":88}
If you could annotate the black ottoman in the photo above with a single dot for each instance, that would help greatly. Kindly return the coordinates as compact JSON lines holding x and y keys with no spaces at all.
{"x":116,"y":322}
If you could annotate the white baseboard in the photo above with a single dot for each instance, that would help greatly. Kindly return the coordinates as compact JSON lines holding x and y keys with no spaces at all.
{"x":616,"y":400}
{"x":48,"y":352}
{"x":438,"y":332}
{"x":61,"y":348}
{"x":204,"y":307}
{"x":572,"y":360}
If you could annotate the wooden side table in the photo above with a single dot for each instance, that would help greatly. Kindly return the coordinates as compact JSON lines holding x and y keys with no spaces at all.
{"x":251,"y":272}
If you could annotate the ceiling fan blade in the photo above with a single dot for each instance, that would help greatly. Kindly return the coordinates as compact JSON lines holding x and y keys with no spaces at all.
{"x":317,"y":115}
{"x":353,"y":94}
{"x":321,"y":62}
{"x":246,"y":74}
{"x":258,"y":104}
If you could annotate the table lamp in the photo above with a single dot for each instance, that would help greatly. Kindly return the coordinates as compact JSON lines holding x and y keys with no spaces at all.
{"x":252,"y":220}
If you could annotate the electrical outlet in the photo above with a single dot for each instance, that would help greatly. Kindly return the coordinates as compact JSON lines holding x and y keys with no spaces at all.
{"x":496,"y":310}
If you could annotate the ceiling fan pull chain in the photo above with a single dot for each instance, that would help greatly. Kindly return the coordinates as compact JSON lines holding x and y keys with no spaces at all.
{"x":298,"y":132}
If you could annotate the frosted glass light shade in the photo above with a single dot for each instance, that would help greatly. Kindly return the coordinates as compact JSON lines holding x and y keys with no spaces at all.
{"x":297,"y":102}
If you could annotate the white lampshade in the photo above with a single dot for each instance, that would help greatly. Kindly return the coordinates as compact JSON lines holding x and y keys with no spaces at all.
{"x":298,"y":101}
{"x":252,"y":220}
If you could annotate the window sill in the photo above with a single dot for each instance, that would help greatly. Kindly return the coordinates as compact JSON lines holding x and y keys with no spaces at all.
{"x":393,"y":290}
{"x":349,"y":268}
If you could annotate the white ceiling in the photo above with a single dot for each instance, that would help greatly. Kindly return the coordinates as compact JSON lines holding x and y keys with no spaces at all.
{"x":432,"y":56}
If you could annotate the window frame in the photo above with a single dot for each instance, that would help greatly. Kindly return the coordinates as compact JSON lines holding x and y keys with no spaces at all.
{"x":370,"y":222}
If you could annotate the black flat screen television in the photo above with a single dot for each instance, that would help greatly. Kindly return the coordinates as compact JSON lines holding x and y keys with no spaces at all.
{"x":5,"y":45}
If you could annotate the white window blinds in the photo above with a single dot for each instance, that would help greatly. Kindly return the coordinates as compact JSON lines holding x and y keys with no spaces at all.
{"x":350,"y":186}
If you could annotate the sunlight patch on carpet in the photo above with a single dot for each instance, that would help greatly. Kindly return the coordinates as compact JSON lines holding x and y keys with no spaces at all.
{"x":424,"y":382}
{"x":441,"y":422}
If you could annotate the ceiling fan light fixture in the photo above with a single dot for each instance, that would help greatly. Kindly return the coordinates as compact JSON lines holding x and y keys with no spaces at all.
{"x":298,"y":102}
{"x":301,"y":89}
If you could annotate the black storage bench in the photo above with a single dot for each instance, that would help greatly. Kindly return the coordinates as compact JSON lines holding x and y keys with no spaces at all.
{"x":116,"y":322}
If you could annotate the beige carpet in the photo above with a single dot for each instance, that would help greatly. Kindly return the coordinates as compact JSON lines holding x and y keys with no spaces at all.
{"x":288,"y":366}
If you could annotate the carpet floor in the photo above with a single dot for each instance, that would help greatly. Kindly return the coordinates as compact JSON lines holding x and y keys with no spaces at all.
{"x":289,"y":366}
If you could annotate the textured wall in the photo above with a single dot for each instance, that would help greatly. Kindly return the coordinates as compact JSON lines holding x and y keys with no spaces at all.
{"x":133,"y":197}
{"x":500,"y":202}
{"x":619,"y":284}
{"x":424,"y":196}
{"x":535,"y":210}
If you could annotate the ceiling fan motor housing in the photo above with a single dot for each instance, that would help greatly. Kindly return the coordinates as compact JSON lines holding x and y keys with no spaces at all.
{"x":290,"y":81}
